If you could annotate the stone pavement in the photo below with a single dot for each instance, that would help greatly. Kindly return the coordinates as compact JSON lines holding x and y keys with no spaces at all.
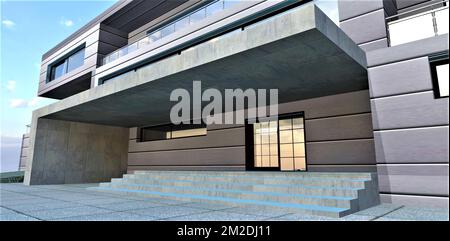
{"x":73,"y":202}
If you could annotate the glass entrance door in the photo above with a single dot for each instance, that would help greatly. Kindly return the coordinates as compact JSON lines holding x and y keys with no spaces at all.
{"x":292,"y":145}
{"x":279,"y":144}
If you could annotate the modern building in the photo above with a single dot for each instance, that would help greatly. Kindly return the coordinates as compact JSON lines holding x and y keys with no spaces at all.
{"x":364,"y":95}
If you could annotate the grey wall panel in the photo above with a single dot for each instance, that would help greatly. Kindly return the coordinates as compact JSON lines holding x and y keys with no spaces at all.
{"x":342,"y":168}
{"x":216,"y":138}
{"x":427,"y":179}
{"x":416,"y":49}
{"x":202,"y":157}
{"x":353,"y":8}
{"x":416,"y":201}
{"x":344,"y":116}
{"x":421,"y":145}
{"x":335,"y":105}
{"x":341,"y":152}
{"x":373,"y":45}
{"x":365,"y":28}
{"x":410,"y":110}
{"x":339,"y":128}
{"x":112,"y":39}
{"x":400,"y":78}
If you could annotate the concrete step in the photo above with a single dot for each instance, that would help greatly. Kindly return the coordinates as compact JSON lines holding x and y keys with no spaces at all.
{"x":248,"y":186}
{"x":348,"y":175}
{"x":329,"y":201}
{"x":327,"y":194}
{"x":290,"y":180}
{"x":294,"y":207}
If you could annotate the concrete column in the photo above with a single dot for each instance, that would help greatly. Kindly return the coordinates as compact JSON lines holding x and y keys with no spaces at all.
{"x":63,"y":152}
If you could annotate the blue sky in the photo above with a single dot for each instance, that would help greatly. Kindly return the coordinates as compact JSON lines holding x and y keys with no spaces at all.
{"x":28,"y":29}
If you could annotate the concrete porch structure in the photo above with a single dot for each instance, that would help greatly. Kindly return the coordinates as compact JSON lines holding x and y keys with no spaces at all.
{"x":287,"y":51}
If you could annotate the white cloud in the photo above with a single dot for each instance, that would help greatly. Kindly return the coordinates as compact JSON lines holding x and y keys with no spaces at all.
{"x":21,"y":103}
{"x":11,"y":85}
{"x":8,"y":23}
{"x":66,"y":22}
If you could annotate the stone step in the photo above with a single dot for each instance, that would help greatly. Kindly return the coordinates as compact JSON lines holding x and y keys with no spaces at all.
{"x":329,"y":201}
{"x":295,"y":180}
{"x":327,"y":194}
{"x":294,"y":207}
{"x":346,"y":175}
{"x":247,"y":186}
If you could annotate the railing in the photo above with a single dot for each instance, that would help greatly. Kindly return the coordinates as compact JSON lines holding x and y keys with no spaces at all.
{"x":175,"y":26}
{"x":407,"y":27}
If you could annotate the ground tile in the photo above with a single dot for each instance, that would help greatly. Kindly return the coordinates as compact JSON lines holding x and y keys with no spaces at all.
{"x":168,"y":211}
{"x":103,"y":200}
{"x":129,"y":205}
{"x":259,"y":211}
{"x":16,"y":217}
{"x":418,"y":214}
{"x":379,"y":210}
{"x":301,"y":217}
{"x":43,"y":206}
{"x":113,"y":216}
{"x":31,"y":200}
{"x":354,"y":217}
{"x":217,"y":216}
{"x":207,"y":206}
{"x":67,"y":212}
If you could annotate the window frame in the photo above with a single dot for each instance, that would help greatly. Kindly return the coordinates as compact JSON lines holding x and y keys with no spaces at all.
{"x":434,"y":63}
{"x":64,"y":60}
{"x":171,"y":128}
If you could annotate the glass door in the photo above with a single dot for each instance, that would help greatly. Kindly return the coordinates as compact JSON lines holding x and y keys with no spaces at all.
{"x":266,"y":144}
{"x":279,"y":144}
{"x":292,"y":145}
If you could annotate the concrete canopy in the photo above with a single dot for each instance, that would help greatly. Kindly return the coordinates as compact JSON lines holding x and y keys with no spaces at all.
{"x":300,"y":52}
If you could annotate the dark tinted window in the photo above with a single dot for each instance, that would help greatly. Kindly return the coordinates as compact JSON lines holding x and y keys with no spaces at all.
{"x":58,"y":70}
{"x":165,"y":132}
{"x":67,"y":64}
{"x":75,"y":61}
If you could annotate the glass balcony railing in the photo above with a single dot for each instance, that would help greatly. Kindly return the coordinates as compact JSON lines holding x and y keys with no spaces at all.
{"x":173,"y":27}
{"x":411,"y":26}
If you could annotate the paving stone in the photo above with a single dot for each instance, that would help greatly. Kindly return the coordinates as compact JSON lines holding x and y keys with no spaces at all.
{"x":207,"y":206}
{"x":258,"y":211}
{"x":300,"y":217}
{"x":217,"y":216}
{"x":16,"y":217}
{"x":43,"y":206}
{"x":166,"y":201}
{"x":114,"y":216}
{"x":353,"y":217}
{"x":103,"y":200}
{"x":31,"y":200}
{"x":66,"y":212}
{"x":6,"y":211}
{"x":418,"y":214}
{"x":379,"y":210}
{"x":168,"y":211}
{"x":129,"y":205}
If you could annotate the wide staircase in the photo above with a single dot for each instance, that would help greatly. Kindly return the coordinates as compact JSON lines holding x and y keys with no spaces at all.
{"x":325,"y":194}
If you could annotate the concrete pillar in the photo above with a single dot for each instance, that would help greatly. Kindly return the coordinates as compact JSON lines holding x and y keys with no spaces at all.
{"x":63,"y":152}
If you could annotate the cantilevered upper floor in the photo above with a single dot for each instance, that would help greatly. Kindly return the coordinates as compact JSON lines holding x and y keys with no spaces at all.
{"x":133,"y":33}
